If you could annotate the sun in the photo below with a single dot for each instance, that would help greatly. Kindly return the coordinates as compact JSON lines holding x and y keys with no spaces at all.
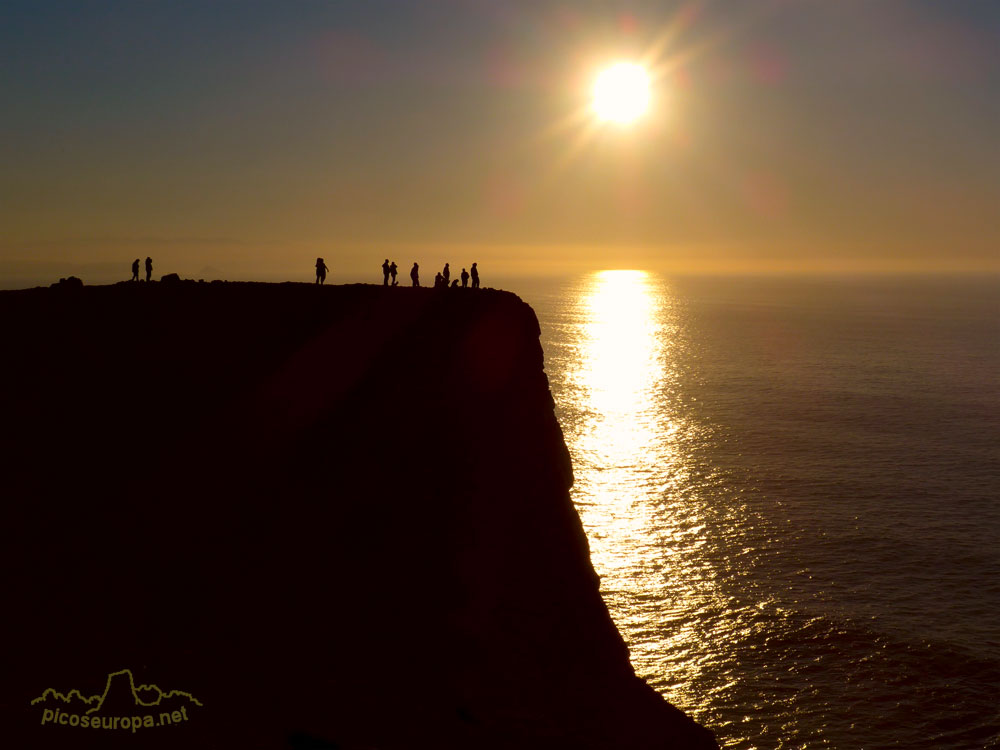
{"x":621,"y":93}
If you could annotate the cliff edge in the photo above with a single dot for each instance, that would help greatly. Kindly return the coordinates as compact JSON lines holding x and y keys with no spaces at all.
{"x":332,"y":516}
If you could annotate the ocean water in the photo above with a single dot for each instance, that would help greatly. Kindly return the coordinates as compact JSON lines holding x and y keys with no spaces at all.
{"x":791,"y":488}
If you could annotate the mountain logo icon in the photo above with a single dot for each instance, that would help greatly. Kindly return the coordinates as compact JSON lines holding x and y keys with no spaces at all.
{"x":122,"y":705}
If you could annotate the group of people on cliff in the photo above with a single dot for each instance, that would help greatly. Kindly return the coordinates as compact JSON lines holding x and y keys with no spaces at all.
{"x":442,"y":279}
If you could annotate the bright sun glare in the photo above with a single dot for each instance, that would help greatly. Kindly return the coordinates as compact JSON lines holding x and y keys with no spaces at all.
{"x":621,"y":93}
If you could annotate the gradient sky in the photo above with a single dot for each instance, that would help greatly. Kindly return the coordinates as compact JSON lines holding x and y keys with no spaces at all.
{"x":241,"y":139}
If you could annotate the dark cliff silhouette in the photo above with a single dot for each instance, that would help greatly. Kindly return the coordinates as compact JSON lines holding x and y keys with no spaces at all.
{"x":249,"y":503}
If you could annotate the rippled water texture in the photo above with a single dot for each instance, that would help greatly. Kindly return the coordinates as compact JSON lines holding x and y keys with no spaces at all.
{"x":790,"y":489}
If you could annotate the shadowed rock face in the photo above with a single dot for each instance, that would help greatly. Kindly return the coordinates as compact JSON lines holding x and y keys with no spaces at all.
{"x":338,"y":517}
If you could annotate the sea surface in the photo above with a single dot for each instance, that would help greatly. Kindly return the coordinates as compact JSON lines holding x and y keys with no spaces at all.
{"x":791,"y":488}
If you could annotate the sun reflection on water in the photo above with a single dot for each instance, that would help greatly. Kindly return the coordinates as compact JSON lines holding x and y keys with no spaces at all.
{"x":730,"y":555}
{"x":625,"y":437}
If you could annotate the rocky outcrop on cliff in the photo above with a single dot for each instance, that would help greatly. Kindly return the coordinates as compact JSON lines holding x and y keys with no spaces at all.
{"x":338,"y":517}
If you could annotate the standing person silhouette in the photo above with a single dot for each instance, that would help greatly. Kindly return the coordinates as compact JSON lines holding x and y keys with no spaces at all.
{"x":149,"y":268}
{"x":446,"y":274}
{"x":385,"y":272}
{"x":415,"y":274}
{"x":393,"y":270}
{"x":321,"y":270}
{"x":475,"y":276}
{"x":135,"y":270}
{"x":465,"y":278}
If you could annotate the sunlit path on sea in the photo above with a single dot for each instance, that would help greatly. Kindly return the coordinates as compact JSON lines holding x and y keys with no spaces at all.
{"x":686,"y":548}
{"x":628,"y":463}
{"x":788,"y":487}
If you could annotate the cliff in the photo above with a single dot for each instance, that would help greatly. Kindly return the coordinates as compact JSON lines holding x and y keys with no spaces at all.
{"x":336,"y":517}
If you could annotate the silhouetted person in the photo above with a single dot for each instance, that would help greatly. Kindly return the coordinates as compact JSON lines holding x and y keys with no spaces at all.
{"x":393,"y":270}
{"x":385,"y":273}
{"x":446,"y":274}
{"x":149,"y":268}
{"x":438,"y":279}
{"x":465,"y":278}
{"x":321,"y":270}
{"x":415,"y":274}
{"x":454,"y":284}
{"x":475,"y":276}
{"x":135,"y":270}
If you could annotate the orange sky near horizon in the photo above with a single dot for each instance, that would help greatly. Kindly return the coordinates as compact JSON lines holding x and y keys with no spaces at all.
{"x":781,"y":136}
